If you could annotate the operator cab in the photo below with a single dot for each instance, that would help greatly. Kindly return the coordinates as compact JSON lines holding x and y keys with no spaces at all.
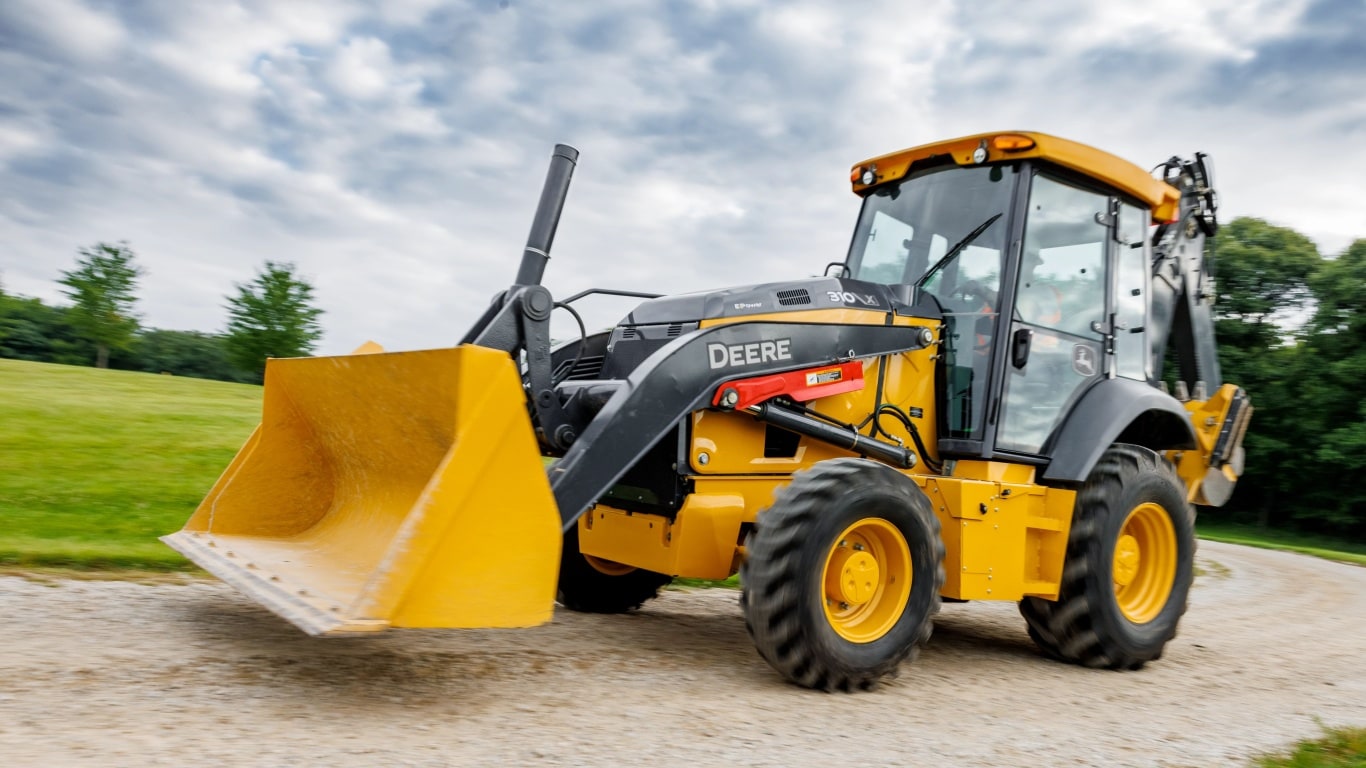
{"x":1041,"y":275}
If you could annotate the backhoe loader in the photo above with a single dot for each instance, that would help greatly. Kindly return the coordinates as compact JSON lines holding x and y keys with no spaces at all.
{"x":968,"y":406}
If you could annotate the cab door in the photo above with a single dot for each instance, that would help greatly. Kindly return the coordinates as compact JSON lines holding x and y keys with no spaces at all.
{"x":1057,"y":333}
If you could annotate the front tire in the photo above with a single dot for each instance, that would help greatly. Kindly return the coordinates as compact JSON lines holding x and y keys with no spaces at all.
{"x":592,"y":585}
{"x":1129,"y":569}
{"x":842,"y":575}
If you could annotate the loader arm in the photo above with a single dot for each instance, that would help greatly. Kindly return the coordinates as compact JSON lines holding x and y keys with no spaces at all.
{"x":682,"y":377}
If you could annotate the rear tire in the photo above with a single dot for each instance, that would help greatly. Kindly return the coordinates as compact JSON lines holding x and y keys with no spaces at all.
{"x":1130,"y":564}
{"x":592,"y":585}
{"x":842,"y":575}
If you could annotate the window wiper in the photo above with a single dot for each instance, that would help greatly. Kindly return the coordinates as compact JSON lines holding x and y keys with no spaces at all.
{"x":954,"y":251}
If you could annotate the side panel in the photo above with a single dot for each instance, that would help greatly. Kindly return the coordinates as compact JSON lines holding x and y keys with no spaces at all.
{"x":728,"y":443}
{"x":702,"y":541}
{"x":1003,"y":540}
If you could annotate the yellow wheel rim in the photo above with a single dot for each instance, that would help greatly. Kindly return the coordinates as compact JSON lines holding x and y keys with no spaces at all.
{"x":1144,"y":566}
{"x":609,"y":567}
{"x":866,"y":580}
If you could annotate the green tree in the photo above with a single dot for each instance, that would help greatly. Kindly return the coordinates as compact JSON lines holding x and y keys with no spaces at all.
{"x":31,"y":330}
{"x":185,"y":353}
{"x":1262,"y":278}
{"x":1334,"y":372}
{"x":101,"y":289}
{"x":272,"y":316}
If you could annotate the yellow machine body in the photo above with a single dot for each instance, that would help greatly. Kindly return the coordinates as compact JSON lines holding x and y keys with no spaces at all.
{"x":380,"y":490}
{"x":410,"y":490}
{"x":1005,"y":537}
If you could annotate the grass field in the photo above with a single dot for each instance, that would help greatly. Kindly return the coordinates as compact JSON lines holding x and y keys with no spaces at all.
{"x":1337,"y":748}
{"x":1319,"y":546}
{"x":94,"y":465}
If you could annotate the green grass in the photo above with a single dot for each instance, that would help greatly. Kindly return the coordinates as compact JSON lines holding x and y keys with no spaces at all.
{"x":1320,"y":546}
{"x":731,"y":583}
{"x":1337,"y":748}
{"x":94,"y":465}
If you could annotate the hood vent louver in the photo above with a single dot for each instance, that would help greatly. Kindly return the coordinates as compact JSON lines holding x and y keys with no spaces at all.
{"x":794,"y":297}
{"x":588,"y":367}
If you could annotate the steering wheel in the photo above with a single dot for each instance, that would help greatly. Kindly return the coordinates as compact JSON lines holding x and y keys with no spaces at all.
{"x":977,"y":299}
{"x":968,"y":290}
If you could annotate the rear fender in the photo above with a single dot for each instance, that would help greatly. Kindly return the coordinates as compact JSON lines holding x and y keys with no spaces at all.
{"x":1116,"y":410}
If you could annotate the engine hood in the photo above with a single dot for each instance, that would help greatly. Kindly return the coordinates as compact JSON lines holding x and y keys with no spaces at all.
{"x":770,"y":298}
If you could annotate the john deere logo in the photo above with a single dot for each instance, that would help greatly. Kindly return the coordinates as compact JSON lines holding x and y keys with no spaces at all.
{"x":1084,"y":360}
{"x":751,"y":353}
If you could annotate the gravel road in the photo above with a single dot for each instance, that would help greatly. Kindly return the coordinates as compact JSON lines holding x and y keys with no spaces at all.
{"x":117,"y":673}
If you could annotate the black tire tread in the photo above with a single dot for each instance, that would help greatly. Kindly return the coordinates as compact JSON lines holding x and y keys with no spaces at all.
{"x":1066,"y":629}
{"x":770,"y":600}
{"x":585,"y":589}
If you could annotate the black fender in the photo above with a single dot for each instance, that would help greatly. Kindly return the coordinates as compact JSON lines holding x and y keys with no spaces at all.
{"x":1116,"y":411}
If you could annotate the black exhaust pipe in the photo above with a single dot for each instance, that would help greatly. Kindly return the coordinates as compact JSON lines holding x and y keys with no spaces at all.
{"x":542,"y":234}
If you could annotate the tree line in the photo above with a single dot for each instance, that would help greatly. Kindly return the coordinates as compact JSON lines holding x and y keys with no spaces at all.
{"x":272,"y":315}
{"x":1291,"y":328}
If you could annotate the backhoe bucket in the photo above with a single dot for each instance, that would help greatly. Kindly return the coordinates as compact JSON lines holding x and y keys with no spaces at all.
{"x":402,"y":489}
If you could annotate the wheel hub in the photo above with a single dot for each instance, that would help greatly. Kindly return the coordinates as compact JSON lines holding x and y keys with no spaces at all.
{"x":1144,"y":565}
{"x":866,"y":580}
{"x":1126,"y":560}
{"x":856,"y":575}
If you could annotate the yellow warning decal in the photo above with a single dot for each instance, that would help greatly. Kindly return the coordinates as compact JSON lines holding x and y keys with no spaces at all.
{"x":823,"y":377}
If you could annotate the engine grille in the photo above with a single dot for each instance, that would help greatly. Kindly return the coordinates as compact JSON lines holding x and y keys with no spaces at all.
{"x":588,"y":367}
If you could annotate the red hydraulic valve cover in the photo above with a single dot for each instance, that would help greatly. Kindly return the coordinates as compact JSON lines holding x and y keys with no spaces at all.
{"x":806,"y":384}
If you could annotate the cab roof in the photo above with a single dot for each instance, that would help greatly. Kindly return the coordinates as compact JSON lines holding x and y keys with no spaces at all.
{"x":1002,"y":146}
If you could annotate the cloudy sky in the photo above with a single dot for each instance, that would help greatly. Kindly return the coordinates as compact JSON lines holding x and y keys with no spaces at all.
{"x":395,"y":150}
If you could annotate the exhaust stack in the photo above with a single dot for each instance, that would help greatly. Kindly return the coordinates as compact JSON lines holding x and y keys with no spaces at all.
{"x":547,"y":219}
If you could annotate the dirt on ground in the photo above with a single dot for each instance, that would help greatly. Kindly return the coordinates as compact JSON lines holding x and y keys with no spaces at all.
{"x":119,"y":673}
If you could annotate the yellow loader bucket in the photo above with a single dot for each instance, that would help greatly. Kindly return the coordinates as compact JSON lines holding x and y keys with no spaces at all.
{"x":402,"y":489}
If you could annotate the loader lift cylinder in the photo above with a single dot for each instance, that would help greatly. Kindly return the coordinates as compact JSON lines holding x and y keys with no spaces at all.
{"x":542,"y":235}
{"x":790,"y":420}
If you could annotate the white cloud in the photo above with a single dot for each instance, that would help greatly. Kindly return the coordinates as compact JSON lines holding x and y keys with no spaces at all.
{"x":68,"y":28}
{"x":362,"y":69}
{"x":19,"y":139}
{"x":396,"y":152}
